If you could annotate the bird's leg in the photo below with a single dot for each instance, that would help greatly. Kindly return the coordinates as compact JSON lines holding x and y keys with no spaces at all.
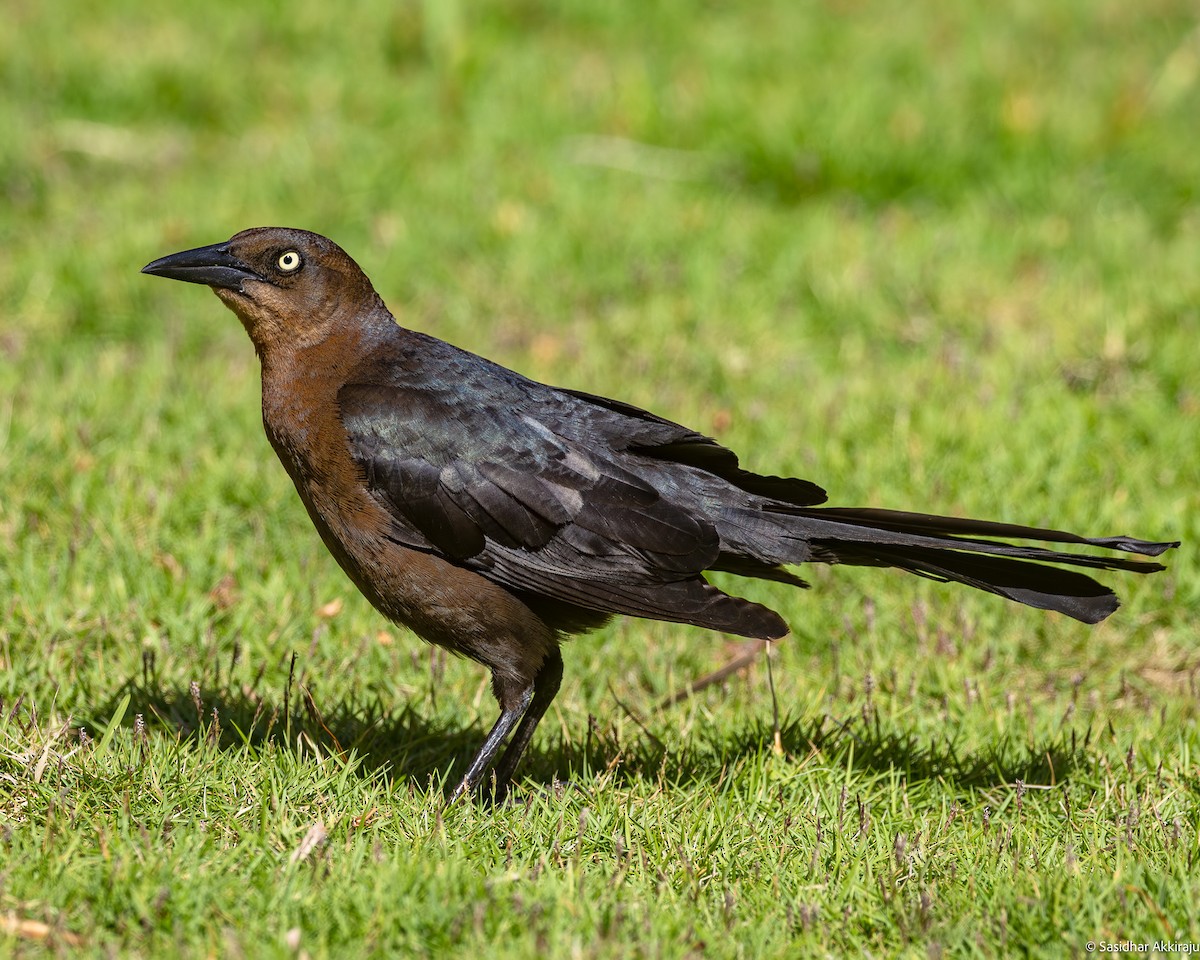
{"x":482,"y":760}
{"x":545,"y":687}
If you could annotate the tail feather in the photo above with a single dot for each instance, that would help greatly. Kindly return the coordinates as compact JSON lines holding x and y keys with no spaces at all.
{"x":1033,"y":584}
{"x":952,"y":549}
{"x":905,"y":522}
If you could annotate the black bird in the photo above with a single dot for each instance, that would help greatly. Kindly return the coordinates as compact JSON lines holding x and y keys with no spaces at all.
{"x":494,"y":515}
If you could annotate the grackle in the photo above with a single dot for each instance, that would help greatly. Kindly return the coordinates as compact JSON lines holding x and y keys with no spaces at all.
{"x":494,"y":515}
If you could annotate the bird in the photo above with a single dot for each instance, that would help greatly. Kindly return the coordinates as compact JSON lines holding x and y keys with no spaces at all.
{"x":497,"y":516}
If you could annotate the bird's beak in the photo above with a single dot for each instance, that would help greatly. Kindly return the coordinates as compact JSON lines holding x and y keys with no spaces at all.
{"x":214,"y":266}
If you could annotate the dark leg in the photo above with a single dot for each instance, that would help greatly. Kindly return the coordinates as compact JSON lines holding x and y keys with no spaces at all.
{"x":483,"y":758}
{"x":545,"y":687}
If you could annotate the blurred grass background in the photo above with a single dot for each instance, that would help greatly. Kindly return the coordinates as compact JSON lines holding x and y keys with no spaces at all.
{"x":932,"y":257}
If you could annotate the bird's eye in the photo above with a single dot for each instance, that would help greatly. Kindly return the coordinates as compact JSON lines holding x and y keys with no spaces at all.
{"x":289,"y":261}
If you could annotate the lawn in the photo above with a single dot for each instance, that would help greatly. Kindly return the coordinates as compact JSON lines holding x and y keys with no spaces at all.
{"x":932,"y":256}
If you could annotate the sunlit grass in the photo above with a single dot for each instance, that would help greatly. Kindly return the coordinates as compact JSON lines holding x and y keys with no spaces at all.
{"x":941,"y":259}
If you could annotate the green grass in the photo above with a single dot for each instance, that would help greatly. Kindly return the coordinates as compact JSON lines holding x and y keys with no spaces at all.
{"x":931,"y":256}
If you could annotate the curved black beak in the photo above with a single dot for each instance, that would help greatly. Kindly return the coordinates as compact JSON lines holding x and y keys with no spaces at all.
{"x":213,"y":265}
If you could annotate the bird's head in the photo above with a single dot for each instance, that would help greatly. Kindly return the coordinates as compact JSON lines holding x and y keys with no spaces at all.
{"x":288,"y":287}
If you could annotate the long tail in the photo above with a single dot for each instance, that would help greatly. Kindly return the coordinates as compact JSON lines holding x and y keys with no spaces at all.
{"x":951,"y":549}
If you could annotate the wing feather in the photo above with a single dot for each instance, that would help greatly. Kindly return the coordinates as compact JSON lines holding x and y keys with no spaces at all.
{"x":537,"y":510}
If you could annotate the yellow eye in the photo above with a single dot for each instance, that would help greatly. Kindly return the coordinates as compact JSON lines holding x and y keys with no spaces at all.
{"x":289,"y":261}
